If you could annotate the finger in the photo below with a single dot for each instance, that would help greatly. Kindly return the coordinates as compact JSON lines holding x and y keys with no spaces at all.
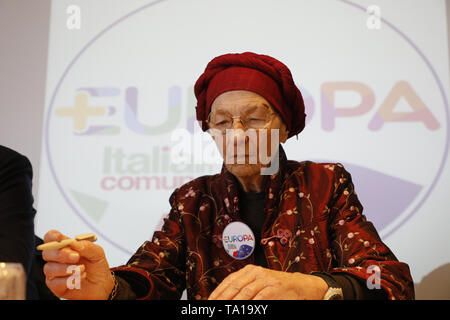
{"x":57,"y":285}
{"x":55,"y":270}
{"x":230,"y":281}
{"x":231,"y":285}
{"x":267,"y":293}
{"x":64,"y":287}
{"x":64,"y":255}
{"x":224,"y":284}
{"x":54,"y":235}
{"x":88,"y":250}
{"x":251,"y":290}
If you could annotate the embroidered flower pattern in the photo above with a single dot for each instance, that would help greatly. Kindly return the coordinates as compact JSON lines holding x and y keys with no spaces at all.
{"x":217,"y":239}
{"x":190,"y":193}
{"x":306,"y":233}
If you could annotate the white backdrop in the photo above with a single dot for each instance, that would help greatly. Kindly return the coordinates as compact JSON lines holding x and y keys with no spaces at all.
{"x":120,"y":81}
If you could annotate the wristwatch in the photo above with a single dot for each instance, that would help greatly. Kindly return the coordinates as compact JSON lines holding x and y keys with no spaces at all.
{"x":334,"y":291}
{"x":333,"y":294}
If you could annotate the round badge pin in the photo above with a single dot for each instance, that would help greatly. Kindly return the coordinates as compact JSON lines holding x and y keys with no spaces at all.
{"x":238,"y":240}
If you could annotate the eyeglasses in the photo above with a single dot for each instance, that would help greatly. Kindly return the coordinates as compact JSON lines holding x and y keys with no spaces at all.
{"x":258,"y":119}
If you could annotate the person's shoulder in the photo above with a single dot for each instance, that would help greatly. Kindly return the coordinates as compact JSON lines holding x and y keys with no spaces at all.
{"x":317,"y":169}
{"x":7,"y":153}
{"x":195,"y":187}
{"x":10,"y":158}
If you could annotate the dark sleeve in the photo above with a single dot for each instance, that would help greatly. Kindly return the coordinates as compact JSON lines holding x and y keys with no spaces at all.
{"x":353,"y":288}
{"x":356,"y":289}
{"x":16,"y":209}
{"x":124,"y":290}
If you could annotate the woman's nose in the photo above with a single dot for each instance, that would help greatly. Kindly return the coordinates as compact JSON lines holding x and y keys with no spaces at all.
{"x":237,"y":131}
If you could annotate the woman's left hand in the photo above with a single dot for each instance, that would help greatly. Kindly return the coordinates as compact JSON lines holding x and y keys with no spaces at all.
{"x":258,"y":283}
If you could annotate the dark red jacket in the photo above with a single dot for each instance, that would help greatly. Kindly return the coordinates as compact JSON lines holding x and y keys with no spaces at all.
{"x":315,"y":204}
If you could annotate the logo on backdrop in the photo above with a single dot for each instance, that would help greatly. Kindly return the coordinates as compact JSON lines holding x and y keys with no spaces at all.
{"x":109,"y":146}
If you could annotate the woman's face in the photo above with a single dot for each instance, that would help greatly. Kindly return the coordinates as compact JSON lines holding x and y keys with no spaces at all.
{"x":247,"y":131}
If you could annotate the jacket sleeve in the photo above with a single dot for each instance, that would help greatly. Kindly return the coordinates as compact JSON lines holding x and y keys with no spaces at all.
{"x":157,"y":269}
{"x":16,"y":209}
{"x":357,"y":248}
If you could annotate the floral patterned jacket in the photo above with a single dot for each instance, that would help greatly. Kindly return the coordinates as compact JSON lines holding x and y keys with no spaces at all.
{"x":314,"y":222}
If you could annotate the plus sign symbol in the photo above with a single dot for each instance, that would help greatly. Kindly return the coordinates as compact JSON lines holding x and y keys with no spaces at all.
{"x":81,"y":111}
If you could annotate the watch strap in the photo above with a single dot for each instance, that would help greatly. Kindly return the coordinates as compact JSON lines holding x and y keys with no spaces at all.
{"x":334,"y":291}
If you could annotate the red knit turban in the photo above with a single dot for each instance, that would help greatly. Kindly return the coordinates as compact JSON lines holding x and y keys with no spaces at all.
{"x":261,"y":74}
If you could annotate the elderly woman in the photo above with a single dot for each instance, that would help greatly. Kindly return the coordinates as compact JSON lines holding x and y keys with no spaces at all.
{"x":297,"y":233}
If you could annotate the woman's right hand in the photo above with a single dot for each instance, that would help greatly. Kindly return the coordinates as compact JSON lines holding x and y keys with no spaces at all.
{"x":95,"y":279}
